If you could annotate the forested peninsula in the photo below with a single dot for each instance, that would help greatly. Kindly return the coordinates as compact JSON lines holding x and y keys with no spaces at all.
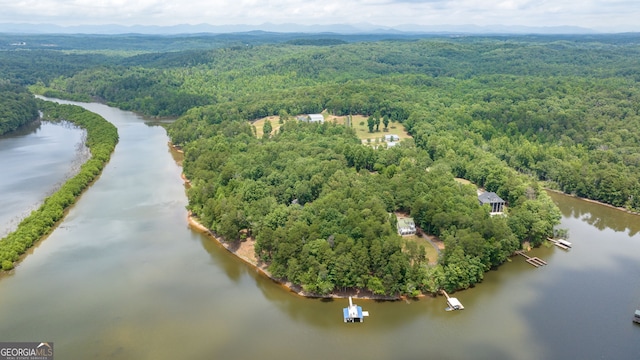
{"x":510,"y":115}
{"x":102,"y":137}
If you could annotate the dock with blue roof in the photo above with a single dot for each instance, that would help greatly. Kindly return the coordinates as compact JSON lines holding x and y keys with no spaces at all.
{"x":353,"y":313}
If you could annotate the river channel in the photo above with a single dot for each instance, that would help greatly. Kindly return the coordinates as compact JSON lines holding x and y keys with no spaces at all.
{"x":124,"y":277}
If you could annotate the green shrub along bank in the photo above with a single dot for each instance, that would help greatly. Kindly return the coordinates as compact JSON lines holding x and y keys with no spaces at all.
{"x":102,"y":138}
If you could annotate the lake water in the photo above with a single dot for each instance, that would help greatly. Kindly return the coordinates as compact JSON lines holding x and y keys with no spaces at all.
{"x":35,"y":161}
{"x":124,"y":277}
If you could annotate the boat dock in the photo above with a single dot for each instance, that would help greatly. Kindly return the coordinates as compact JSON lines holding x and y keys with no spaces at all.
{"x":353,"y":313}
{"x":537,"y":262}
{"x":561,"y":243}
{"x":454,"y":303}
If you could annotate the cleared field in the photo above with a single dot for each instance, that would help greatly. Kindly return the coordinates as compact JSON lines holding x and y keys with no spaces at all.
{"x":432,"y":253}
{"x":259,"y":125}
{"x":358,"y":123}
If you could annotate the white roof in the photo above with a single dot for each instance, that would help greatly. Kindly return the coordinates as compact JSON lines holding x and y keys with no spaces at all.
{"x":454,"y":302}
{"x":316,"y":117}
{"x":564,"y":242}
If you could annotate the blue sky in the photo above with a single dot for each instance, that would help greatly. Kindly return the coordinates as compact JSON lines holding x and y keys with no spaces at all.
{"x":603,"y":15}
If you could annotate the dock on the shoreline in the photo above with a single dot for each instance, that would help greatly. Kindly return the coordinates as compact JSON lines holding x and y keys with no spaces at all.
{"x":535,"y":261}
{"x":561,"y":243}
{"x":453,"y":303}
{"x":353,"y":313}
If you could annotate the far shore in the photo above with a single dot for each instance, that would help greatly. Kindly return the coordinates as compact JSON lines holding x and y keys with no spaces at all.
{"x":596,"y":202}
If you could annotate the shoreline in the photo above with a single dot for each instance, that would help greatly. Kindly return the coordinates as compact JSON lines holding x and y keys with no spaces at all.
{"x":261,"y":267}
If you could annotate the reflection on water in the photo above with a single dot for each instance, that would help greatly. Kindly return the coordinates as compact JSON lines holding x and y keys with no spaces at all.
{"x":599,"y":216}
{"x":35,"y":160}
{"x":26,"y":129}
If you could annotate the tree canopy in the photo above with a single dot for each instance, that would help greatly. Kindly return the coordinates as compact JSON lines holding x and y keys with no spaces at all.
{"x":17,"y":107}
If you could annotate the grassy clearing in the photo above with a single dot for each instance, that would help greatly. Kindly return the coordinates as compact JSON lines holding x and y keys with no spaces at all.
{"x":259,"y":125}
{"x":432,"y":253}
{"x":358,"y":123}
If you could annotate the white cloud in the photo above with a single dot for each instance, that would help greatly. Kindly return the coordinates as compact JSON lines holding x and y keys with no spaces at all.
{"x":620,"y":15}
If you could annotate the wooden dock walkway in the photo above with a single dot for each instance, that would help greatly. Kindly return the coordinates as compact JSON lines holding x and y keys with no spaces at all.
{"x":535,"y":261}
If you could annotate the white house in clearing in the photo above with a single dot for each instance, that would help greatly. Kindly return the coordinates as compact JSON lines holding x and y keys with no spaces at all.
{"x":406,"y":226}
{"x":312,"y":118}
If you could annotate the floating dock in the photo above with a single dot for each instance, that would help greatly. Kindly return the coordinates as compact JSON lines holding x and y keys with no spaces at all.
{"x":561,"y":243}
{"x":453,"y":303}
{"x":537,"y":262}
{"x":353,"y":313}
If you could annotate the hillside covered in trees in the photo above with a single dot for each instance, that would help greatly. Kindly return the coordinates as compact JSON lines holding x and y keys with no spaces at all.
{"x":563,"y":109}
{"x":17,"y":107}
{"x":502,"y":112}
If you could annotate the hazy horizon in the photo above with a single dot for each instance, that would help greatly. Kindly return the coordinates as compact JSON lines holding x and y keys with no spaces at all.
{"x":596,"y":15}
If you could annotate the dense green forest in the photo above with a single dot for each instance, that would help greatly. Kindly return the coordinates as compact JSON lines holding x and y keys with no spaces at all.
{"x":320,"y":205}
{"x":102,"y":138}
{"x":502,"y":112}
{"x":564,"y":110}
{"x":17,"y":107}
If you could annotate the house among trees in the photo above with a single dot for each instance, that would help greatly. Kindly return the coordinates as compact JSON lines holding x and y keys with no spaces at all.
{"x":495,"y":202}
{"x":391,"y":137}
{"x":312,"y":118}
{"x":406,"y":226}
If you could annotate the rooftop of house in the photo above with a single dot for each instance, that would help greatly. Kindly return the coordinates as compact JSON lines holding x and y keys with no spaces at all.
{"x":489,"y":197}
{"x":406,"y":222}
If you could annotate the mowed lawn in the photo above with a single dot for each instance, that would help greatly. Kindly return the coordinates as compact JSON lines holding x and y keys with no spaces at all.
{"x":358,"y":123}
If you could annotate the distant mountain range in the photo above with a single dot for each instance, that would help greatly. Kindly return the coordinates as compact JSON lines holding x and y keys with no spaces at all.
{"x":361,"y":28}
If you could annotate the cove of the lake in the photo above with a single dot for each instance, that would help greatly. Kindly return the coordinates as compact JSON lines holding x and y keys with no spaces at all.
{"x":124,"y":277}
